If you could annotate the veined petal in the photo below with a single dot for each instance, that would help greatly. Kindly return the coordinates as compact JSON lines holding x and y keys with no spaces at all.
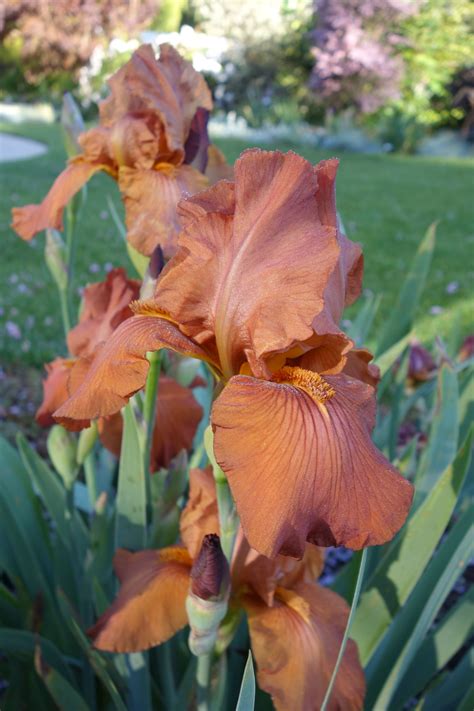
{"x":119,"y":368}
{"x":296,"y":643}
{"x":150,"y":606}
{"x":151,"y":198}
{"x":55,"y":389}
{"x":30,"y":219}
{"x":105,"y":305}
{"x":255,"y":280}
{"x":301,"y":464}
{"x":200,"y":516}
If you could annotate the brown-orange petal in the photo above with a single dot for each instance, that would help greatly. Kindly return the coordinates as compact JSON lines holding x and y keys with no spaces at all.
{"x":296,"y":643}
{"x":200,"y":515}
{"x":150,"y":606}
{"x":254,"y":280}
{"x":168,"y":88}
{"x":30,"y":219}
{"x":302,"y":466}
{"x":104,"y":306}
{"x":358,"y":366}
{"x":119,"y":368}
{"x":178,"y":415}
{"x":151,"y":198}
{"x":55,"y":389}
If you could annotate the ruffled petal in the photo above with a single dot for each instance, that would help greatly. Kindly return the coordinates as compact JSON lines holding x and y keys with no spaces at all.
{"x":296,"y":643}
{"x":255,"y":281}
{"x":150,"y":606}
{"x":358,"y":366}
{"x":345,"y":284}
{"x":105,"y":305}
{"x":200,"y":515}
{"x":301,"y":464}
{"x":103,"y":384}
{"x":30,"y":219}
{"x":151,"y":198}
{"x":55,"y":390}
{"x":168,"y":88}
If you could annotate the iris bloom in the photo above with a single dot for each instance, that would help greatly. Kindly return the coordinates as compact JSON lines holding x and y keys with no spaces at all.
{"x":152,"y":139}
{"x":105,"y":307}
{"x":257,"y":289}
{"x":296,"y":626}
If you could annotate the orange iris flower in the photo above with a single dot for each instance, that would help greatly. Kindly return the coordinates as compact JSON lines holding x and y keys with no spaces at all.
{"x":257,"y":289}
{"x":296,"y":626}
{"x":152,"y":139}
{"x":105,"y":306}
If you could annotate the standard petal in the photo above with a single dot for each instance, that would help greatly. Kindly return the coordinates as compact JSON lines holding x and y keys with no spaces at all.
{"x":104,"y":383}
{"x":151,"y":198}
{"x":345,"y":284}
{"x":197,"y":142}
{"x":168,"y":88}
{"x":296,"y":643}
{"x":105,"y":306}
{"x":358,"y":366}
{"x":255,"y":280}
{"x":200,"y":516}
{"x":55,"y":389}
{"x":301,"y":464}
{"x":30,"y":219}
{"x":150,"y":606}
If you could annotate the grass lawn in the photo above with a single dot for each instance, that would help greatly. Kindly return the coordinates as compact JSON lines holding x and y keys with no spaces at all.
{"x":387,"y":203}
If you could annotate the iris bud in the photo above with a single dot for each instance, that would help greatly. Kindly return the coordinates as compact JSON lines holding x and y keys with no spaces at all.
{"x":62,"y":447}
{"x":72,"y":123}
{"x":55,"y":258}
{"x":206,"y":603}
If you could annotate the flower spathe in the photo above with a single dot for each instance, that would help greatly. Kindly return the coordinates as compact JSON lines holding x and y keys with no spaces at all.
{"x":256,"y":289}
{"x":152,"y":139}
{"x":296,"y":626}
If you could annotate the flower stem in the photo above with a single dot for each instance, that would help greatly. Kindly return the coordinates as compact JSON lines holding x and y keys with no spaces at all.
{"x":228,"y":518}
{"x":149,"y":405}
{"x":65,"y":315}
{"x":203,"y":678}
{"x":91,"y":477}
{"x":71,"y":212}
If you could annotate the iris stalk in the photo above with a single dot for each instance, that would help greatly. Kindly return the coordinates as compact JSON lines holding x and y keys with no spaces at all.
{"x":149,"y":405}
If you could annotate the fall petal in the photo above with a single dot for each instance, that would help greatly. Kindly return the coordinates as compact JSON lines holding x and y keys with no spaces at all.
{"x":200,"y":516}
{"x":55,"y":390}
{"x":30,"y":219}
{"x":105,"y":306}
{"x":302,"y":466}
{"x":151,"y":198}
{"x":296,"y":642}
{"x":254,"y":280}
{"x":150,"y":606}
{"x":119,"y":367}
{"x":178,"y":415}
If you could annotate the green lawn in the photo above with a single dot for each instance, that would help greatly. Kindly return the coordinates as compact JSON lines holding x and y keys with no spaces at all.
{"x":387,"y":202}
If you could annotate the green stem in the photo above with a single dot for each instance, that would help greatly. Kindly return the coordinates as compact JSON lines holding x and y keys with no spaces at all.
{"x":166,"y":675}
{"x":355,"y":600}
{"x":203,"y":678}
{"x":71,"y":210}
{"x":149,"y":405}
{"x":66,"y":319}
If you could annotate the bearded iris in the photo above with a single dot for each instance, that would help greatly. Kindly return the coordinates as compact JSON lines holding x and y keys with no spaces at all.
{"x":256,"y":290}
{"x":296,"y":626}
{"x":152,"y":139}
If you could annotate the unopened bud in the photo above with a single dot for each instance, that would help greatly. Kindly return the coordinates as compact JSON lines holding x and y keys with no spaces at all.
{"x":421,"y":365}
{"x":55,"y":258}
{"x":72,"y":123}
{"x":62,"y":447}
{"x":85,"y":445}
{"x":206,"y":603}
{"x":210,"y":571}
